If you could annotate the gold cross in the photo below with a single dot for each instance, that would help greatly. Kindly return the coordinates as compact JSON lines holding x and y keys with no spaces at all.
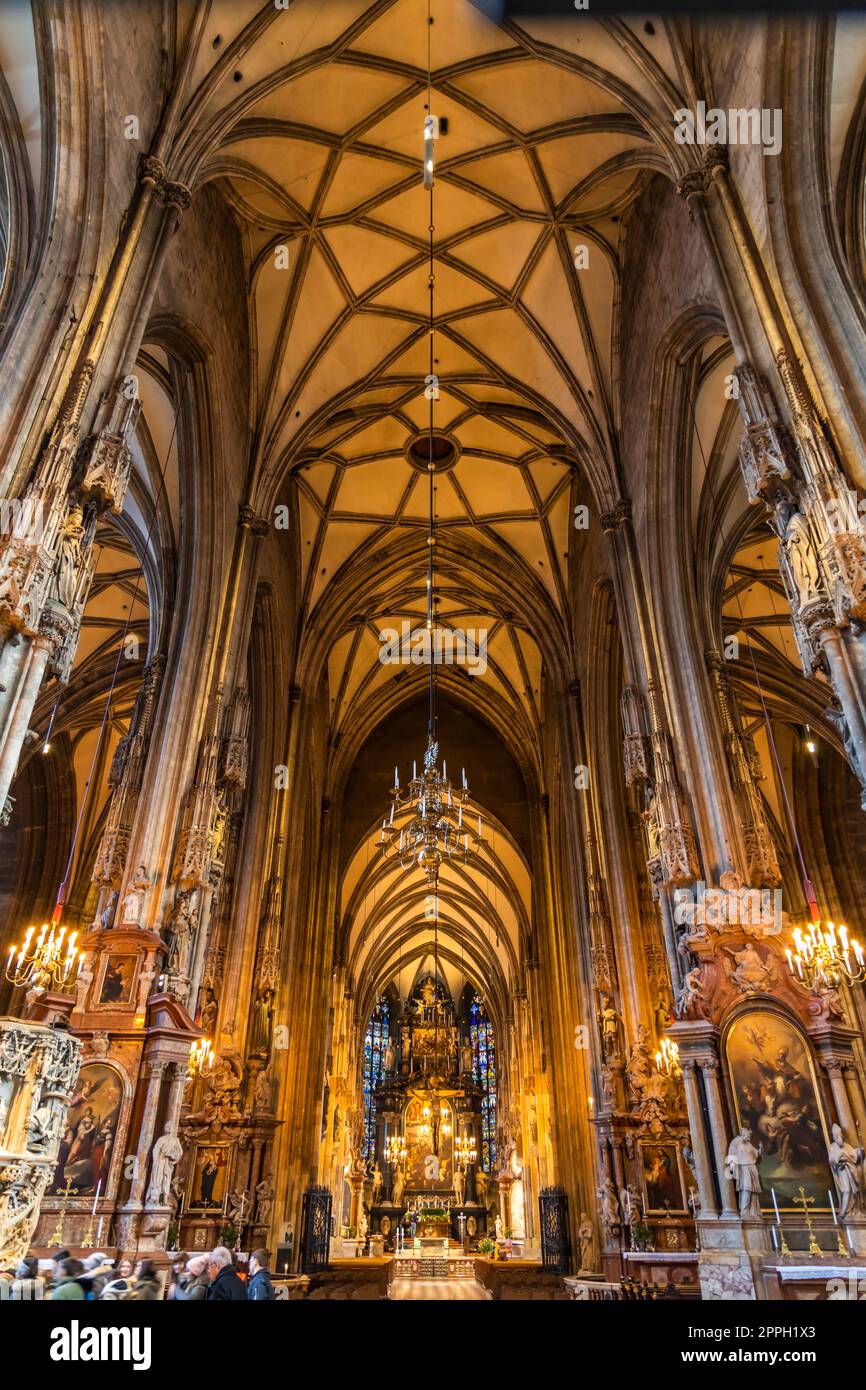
{"x":805,"y":1202}
{"x":64,"y":1193}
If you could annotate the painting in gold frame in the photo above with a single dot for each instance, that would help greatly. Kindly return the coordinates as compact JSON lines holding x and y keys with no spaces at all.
{"x":777,"y":1098}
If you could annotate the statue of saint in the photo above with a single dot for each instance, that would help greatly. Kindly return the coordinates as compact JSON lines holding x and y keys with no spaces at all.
{"x":639,"y":1067}
{"x":802,"y":560}
{"x":167,"y":1153}
{"x":131,"y":912}
{"x":460,"y":1185}
{"x":390,"y":1058}
{"x":377,"y":1184}
{"x":588,"y":1245}
{"x":466,"y":1057}
{"x":498,"y":1228}
{"x":68,"y":571}
{"x":399,"y":1184}
{"x":264,"y":1200}
{"x":742,"y":1166}
{"x":106,"y":916}
{"x":609,"y":1019}
{"x":846,"y":1164}
{"x":607,"y":1205}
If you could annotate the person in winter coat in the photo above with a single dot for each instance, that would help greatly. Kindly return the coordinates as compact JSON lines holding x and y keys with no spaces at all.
{"x":69,"y":1288}
{"x":193,"y":1284}
{"x":148,"y":1285}
{"x":98,"y":1270}
{"x":260,"y":1288}
{"x":28,"y":1283}
{"x":226,"y":1284}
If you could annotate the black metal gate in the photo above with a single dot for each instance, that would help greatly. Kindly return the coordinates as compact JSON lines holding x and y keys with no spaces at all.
{"x":315,"y":1229}
{"x":555,"y":1245}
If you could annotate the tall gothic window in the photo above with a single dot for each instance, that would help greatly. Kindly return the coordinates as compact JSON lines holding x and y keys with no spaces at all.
{"x":484,"y":1073}
{"x":375,"y":1042}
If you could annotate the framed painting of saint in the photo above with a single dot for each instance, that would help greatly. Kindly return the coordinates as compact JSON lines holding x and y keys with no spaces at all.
{"x":662,"y":1180}
{"x":209,"y":1179}
{"x":776,"y":1097}
{"x":118,"y":980}
{"x":87,"y":1138}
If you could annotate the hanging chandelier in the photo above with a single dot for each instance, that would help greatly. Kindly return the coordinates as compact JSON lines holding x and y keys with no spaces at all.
{"x":822,"y":957}
{"x":49,"y":963}
{"x":433,"y":833}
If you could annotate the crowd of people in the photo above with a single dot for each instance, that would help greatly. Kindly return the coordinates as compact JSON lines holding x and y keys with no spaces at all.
{"x":214,"y":1278}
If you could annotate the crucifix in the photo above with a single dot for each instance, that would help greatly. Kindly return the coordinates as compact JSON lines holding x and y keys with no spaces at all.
{"x":64,"y":1193}
{"x":801,"y":1200}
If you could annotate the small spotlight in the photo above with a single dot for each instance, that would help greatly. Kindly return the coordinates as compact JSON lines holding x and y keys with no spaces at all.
{"x":46,"y":747}
{"x":811,"y":747}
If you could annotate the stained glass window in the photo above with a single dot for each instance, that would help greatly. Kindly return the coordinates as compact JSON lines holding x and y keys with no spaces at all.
{"x":375,"y":1042}
{"x":484,"y":1073}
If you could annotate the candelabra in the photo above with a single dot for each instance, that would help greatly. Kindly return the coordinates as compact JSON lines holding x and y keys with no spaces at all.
{"x":465,"y":1150}
{"x":822,"y":957}
{"x":432,"y":835}
{"x":49,"y":963}
{"x":395,"y":1149}
{"x":200,"y":1058}
{"x":668,"y":1059}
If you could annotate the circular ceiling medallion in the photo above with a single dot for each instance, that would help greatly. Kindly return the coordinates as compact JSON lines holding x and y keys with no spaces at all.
{"x":445,"y":452}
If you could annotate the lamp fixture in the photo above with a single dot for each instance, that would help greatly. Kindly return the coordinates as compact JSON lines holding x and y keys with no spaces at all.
{"x":822,"y":956}
{"x":201,"y":1058}
{"x":465,"y":1149}
{"x":395,"y":1149}
{"x":668,"y":1059}
{"x":50,"y":962}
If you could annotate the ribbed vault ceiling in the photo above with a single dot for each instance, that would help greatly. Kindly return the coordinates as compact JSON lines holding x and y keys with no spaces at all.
{"x":311,"y":120}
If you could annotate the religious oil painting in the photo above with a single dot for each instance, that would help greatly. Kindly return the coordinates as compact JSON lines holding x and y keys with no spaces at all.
{"x":775,"y":1095}
{"x":87,"y":1138}
{"x":118,"y":980}
{"x":207,"y":1192}
{"x":429,"y":1139}
{"x":662,"y":1179}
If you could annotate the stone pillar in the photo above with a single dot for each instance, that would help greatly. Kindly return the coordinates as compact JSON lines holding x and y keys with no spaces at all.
{"x":703,"y":1165}
{"x":855,"y":1095}
{"x":33,"y":665}
{"x":719,"y":1133}
{"x":154,"y":1071}
{"x":840,"y":1096}
{"x":356,"y":1206}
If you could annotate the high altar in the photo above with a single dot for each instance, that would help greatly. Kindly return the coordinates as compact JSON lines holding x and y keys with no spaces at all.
{"x":427,"y":1113}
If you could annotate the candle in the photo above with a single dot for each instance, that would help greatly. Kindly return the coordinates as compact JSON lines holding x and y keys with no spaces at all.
{"x":99,"y":1232}
{"x":96,"y":1198}
{"x":775,"y":1206}
{"x":396,"y":778}
{"x":775,"y":1237}
{"x":833,"y":1208}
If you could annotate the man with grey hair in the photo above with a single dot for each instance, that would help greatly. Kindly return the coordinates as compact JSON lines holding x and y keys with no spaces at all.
{"x":226,"y":1285}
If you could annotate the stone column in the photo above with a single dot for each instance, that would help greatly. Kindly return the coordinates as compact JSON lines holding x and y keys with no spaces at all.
{"x":844,"y":1113}
{"x":33,"y":663}
{"x":719,"y":1132}
{"x":703,"y":1165}
{"x":154,"y":1071}
{"x":855,"y":1095}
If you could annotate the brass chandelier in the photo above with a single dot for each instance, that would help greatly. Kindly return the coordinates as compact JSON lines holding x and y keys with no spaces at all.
{"x":50,"y":962}
{"x":822,"y":957}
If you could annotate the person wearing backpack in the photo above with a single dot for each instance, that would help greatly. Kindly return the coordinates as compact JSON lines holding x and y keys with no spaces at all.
{"x":260,"y":1288}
